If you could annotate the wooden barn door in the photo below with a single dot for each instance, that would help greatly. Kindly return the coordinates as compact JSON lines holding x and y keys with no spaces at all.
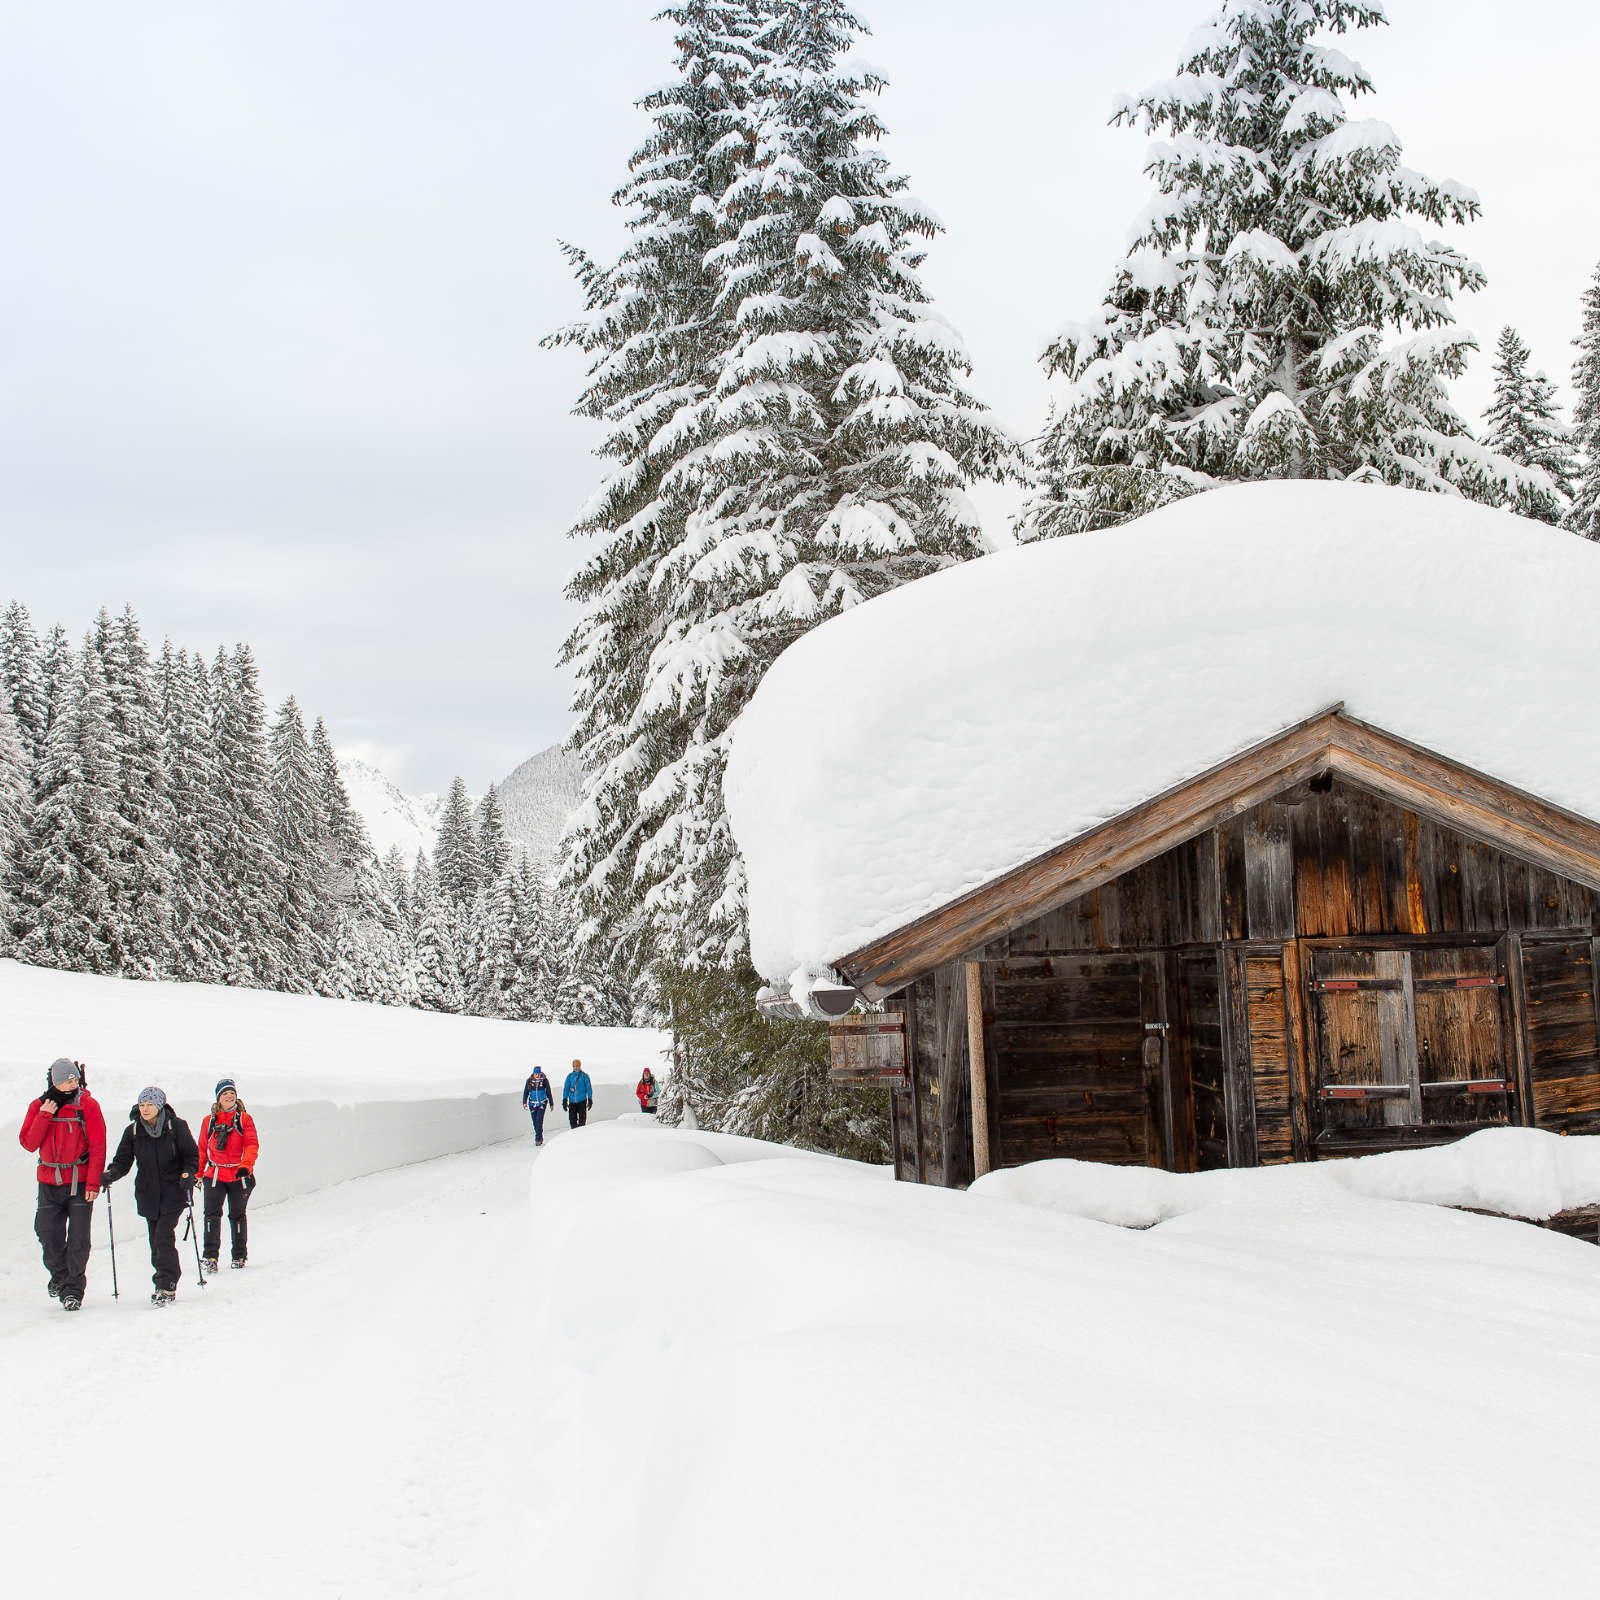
{"x":1083,"y":1066}
{"x":1413,"y":1045}
{"x":1563,"y":1034}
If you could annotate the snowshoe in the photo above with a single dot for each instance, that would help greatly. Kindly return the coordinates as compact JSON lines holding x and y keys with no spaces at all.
{"x":236,"y":1263}
{"x":209,"y":1264}
{"x":163,"y":1297}
{"x":70,"y":1302}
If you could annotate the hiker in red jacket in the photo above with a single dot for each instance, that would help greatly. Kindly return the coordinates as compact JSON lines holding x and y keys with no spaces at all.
{"x":228,"y":1148}
{"x":647,"y":1091}
{"x":65,"y":1127}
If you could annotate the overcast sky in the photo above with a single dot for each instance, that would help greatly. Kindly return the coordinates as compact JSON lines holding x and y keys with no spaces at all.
{"x":273,"y":281}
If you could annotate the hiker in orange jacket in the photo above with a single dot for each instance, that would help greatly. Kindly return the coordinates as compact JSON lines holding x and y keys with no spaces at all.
{"x":228,"y":1148}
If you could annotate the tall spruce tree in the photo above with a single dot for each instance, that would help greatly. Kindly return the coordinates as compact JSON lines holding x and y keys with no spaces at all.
{"x":456,"y":864}
{"x":1584,"y":516}
{"x":22,"y":688}
{"x":494,"y":849}
{"x":16,"y":816}
{"x":55,"y":675}
{"x":147,"y":867}
{"x":299,"y":831}
{"x":201,"y":925}
{"x":1524,"y":425}
{"x":72,"y":864}
{"x":247,"y":866}
{"x":815,"y":451}
{"x":1246,"y":333}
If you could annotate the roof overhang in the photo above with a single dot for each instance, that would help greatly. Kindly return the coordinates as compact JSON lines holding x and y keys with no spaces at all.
{"x":1411,"y":776}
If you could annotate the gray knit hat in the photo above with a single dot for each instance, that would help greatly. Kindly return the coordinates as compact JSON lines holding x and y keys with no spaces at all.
{"x":152,"y":1097}
{"x":63,"y":1070}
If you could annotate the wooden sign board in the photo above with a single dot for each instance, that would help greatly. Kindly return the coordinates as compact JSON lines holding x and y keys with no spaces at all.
{"x":868,"y":1048}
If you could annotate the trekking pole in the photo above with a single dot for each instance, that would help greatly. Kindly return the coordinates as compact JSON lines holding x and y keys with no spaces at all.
{"x":112,"y":1228}
{"x":190,"y":1228}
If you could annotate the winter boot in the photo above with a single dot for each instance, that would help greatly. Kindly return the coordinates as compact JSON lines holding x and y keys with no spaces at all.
{"x":236,"y":1263}
{"x":210,"y":1263}
{"x":70,"y":1302}
{"x":54,"y":1291}
{"x":163,"y":1297}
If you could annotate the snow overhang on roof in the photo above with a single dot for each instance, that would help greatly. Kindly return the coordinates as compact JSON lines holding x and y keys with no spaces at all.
{"x":1010,"y":706}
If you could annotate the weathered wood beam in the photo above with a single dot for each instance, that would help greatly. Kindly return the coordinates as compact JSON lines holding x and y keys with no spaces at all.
{"x":1367,"y":757}
{"x":977,"y":1065}
{"x":1091,"y":859}
{"x":1467,"y":801}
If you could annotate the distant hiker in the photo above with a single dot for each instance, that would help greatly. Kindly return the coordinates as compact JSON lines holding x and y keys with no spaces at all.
{"x":577,"y":1095}
{"x":65,"y":1127}
{"x":158,"y":1145}
{"x":537,"y":1094}
{"x":647,"y":1089}
{"x":228,"y":1167}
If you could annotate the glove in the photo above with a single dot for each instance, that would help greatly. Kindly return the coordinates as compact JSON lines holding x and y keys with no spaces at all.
{"x":107,"y":1179}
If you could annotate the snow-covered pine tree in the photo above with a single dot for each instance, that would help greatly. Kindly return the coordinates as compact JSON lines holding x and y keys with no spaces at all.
{"x":55,"y":675}
{"x":147,"y":867}
{"x":299,"y":830}
{"x":247,"y":868}
{"x":201,"y":925}
{"x":345,"y":840}
{"x":16,"y":815}
{"x":1584,"y":517}
{"x":456,"y":863}
{"x":75,"y":846}
{"x":819,"y":454}
{"x":658,"y":334}
{"x":494,"y":849}
{"x":397,"y":883}
{"x":1524,"y":425}
{"x":1244,"y":334}
{"x":22,"y":688}
{"x":437,"y":961}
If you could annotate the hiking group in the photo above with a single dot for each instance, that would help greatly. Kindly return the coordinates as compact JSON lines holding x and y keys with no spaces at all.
{"x":64,"y":1127}
{"x":577,"y":1097}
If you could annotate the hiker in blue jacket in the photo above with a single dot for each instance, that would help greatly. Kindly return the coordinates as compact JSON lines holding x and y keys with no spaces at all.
{"x":536,"y":1096}
{"x":577,"y":1095}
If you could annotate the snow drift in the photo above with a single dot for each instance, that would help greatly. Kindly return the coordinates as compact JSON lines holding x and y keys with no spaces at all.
{"x":1010,"y":704}
{"x":787,"y":1376}
{"x":339,"y":1088}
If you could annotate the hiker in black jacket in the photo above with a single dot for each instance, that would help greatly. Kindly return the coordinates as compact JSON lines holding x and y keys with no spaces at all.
{"x":165,"y":1158}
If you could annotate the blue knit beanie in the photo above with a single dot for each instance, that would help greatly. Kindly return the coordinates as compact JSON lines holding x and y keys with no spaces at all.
{"x":227,"y":1083}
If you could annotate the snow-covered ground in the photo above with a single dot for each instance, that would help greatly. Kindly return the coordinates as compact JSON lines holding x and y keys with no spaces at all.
{"x":790,"y":1376}
{"x":337,"y":1087}
{"x":703,"y":1368}
{"x":348,"y":1417}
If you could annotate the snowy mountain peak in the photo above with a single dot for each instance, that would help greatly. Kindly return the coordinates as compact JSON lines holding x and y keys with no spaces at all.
{"x":536,"y":799}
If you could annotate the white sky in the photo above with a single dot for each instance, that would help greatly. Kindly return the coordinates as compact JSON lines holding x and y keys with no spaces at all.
{"x":273,"y":281}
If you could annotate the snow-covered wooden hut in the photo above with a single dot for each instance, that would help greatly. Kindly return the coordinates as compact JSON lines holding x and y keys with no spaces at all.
{"x":1265,"y":828}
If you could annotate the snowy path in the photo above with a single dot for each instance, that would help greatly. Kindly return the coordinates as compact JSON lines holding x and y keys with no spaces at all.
{"x":351,"y":1408}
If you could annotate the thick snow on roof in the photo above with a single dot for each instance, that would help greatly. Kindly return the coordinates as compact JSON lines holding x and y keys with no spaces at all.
{"x":920,"y":745}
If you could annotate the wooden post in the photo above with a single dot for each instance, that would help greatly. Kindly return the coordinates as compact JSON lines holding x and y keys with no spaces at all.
{"x":978,"y":1070}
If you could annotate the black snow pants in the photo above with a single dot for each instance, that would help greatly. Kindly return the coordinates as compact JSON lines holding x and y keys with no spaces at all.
{"x":62,"y":1223}
{"x":578,"y":1113}
{"x":164,"y":1255}
{"x":238,"y":1193}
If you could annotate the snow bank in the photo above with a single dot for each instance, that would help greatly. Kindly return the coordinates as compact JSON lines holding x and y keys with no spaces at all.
{"x":1011,"y":703}
{"x":339,"y":1088}
{"x":1520,"y":1172}
{"x":788,"y":1376}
